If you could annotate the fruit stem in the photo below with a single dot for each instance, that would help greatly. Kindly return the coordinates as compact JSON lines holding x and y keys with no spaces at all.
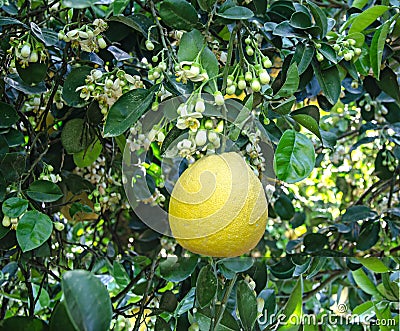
{"x":224,"y":302}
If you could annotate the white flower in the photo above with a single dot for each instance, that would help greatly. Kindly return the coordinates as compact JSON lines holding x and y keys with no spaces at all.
{"x":201,"y":137}
{"x":200,"y":106}
{"x":189,"y":121}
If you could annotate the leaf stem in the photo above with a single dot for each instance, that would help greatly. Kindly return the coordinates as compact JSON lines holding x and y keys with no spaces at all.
{"x":224,"y":302}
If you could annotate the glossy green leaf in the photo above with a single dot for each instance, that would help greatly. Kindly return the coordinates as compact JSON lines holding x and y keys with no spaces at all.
{"x":359,"y":3}
{"x":294,"y":158}
{"x":76,"y":136}
{"x":303,"y":56}
{"x":16,"y":82}
{"x":178,"y":14}
{"x":177,"y":269}
{"x":314,"y":242}
{"x":206,"y":286}
{"x":78,"y":4}
{"x":14,"y":207}
{"x":236,"y":13}
{"x":60,"y":320}
{"x":285,"y":107}
{"x":374,"y":264}
{"x":23,"y":323}
{"x":127,"y":110}
{"x":246,"y":305}
{"x":120,"y":275}
{"x":206,"y":5}
{"x":357,"y":213}
{"x":328,"y":52}
{"x":86,"y":157}
{"x":34,"y":228}
{"x":137,"y":22}
{"x":44,"y":191}
{"x":329,"y":80}
{"x":388,"y":83}
{"x":300,"y":20}
{"x":227,"y":323}
{"x":32,"y":74}
{"x":293,"y":307}
{"x":75,"y":79}
{"x":8,"y":115}
{"x":47,"y":36}
{"x":366,"y":18}
{"x":119,"y":6}
{"x":284,"y":208}
{"x":309,"y":123}
{"x":364,"y":282}
{"x":385,"y":314}
{"x":237,"y":264}
{"x":319,"y":17}
{"x":376,"y":49}
{"x":86,"y":300}
{"x":369,"y":235}
{"x":358,"y":37}
{"x":291,"y":83}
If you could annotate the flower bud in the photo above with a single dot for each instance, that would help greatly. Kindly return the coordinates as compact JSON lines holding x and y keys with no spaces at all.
{"x":357,"y":51}
{"x":241,"y":84}
{"x":255,"y":85}
{"x":320,"y":57}
{"x":26,"y":50}
{"x":352,"y":42}
{"x":149,"y":45}
{"x":102,"y":43}
{"x":264,"y":77}
{"x":34,"y":57}
{"x":97,"y":207}
{"x":249,"y":51}
{"x":154,"y":58}
{"x":154,"y":106}
{"x":208,"y":124}
{"x":200,"y":106}
{"x":194,"y":70}
{"x":348,"y":56}
{"x":267,"y":63}
{"x":6,"y":221}
{"x":212,"y":136}
{"x":231,"y":90}
{"x":248,"y":76}
{"x":194,"y":327}
{"x":83,"y":34}
{"x":109,"y":83}
{"x":201,"y":137}
{"x":218,"y":98}
{"x":247,"y":41}
{"x":59,"y":226}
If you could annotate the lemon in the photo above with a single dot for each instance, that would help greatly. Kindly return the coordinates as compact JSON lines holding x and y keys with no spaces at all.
{"x":218,"y":207}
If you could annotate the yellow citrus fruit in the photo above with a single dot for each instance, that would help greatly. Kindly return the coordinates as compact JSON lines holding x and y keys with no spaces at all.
{"x":218,"y":207}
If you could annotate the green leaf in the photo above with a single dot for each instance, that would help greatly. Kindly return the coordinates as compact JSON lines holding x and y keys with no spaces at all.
{"x":291,"y":83}
{"x":364,"y":282}
{"x":14,"y":207}
{"x":293,"y":308}
{"x":314,"y":242}
{"x":376,"y":50}
{"x":246,"y":305}
{"x":178,"y":14}
{"x":206,"y":286}
{"x":16,"y":82}
{"x":138,"y":22}
{"x":359,"y":3}
{"x":309,"y":123}
{"x":329,"y":80}
{"x":358,"y":37}
{"x":385,"y":314}
{"x":47,"y":36}
{"x":75,"y":136}
{"x":357,"y":213}
{"x":168,"y":302}
{"x":209,"y":62}
{"x":328,"y":52}
{"x":78,"y":4}
{"x":119,"y":6}
{"x":284,"y":208}
{"x":303,"y":56}
{"x":369,"y":235}
{"x":34,"y":228}
{"x":120,"y":275}
{"x":44,"y":191}
{"x":388,"y":83}
{"x":23,"y":323}
{"x":75,"y":79}
{"x":227,"y":323}
{"x":177,"y":269}
{"x":32,"y":74}
{"x":374,"y":264}
{"x":300,"y":20}
{"x":8,"y":115}
{"x":237,"y":264}
{"x":236,"y":13}
{"x":285,"y":107}
{"x":206,"y":5}
{"x":60,"y":320}
{"x":366,"y":18}
{"x":294,"y":158}
{"x":88,"y":156}
{"x":319,"y":17}
{"x":127,"y":110}
{"x":86,"y":300}
{"x":4,"y":231}
{"x":10,"y":21}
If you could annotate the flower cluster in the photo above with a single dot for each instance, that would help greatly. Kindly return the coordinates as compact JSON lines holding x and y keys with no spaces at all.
{"x":344,"y":47}
{"x":107,"y":87}
{"x":255,"y":75}
{"x":190,"y":70}
{"x":389,"y":160}
{"x":38,"y":102}
{"x":253,"y":150}
{"x":27,"y":49}
{"x":88,"y":37}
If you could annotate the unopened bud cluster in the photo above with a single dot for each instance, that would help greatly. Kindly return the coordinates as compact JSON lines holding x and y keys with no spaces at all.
{"x":27,"y":49}
{"x":107,"y":87}
{"x":346,"y":48}
{"x":88,"y":37}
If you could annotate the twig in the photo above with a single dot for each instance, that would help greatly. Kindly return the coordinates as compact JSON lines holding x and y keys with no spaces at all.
{"x":326,"y":282}
{"x":224,"y":302}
